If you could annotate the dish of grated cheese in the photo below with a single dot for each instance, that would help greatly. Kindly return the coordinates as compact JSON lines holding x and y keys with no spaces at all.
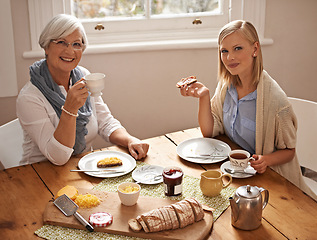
{"x":87,"y":201}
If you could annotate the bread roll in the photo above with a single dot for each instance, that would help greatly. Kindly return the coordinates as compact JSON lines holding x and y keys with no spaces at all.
{"x":135,"y":225}
{"x":174,"y":216}
{"x":197,"y":208}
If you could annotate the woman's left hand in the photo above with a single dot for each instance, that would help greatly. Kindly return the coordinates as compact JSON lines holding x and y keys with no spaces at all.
{"x":259,"y":164}
{"x":138,"y":149}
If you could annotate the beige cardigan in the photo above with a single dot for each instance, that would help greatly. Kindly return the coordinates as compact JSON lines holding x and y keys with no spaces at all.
{"x":276,"y":125}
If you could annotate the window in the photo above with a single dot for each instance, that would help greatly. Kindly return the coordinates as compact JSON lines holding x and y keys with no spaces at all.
{"x":136,"y":25}
{"x":140,"y":8}
{"x":8,"y":73}
{"x":148,"y":23}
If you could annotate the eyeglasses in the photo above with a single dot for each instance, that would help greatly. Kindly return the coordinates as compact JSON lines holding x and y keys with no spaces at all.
{"x":63,"y":44}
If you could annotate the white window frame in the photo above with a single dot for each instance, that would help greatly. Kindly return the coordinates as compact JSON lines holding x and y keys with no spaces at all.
{"x":8,"y":72}
{"x":162,"y":38}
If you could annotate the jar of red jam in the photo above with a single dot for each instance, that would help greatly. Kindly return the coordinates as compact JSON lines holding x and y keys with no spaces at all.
{"x":172,"y":178}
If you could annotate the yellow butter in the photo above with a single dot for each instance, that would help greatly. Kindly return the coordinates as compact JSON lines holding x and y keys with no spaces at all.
{"x":129,"y":189}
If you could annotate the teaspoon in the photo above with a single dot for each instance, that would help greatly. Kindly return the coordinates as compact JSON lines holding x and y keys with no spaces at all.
{"x":232,"y":171}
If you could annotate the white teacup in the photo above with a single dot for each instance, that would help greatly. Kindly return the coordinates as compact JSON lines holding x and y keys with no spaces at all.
{"x":95,"y":83}
{"x":239,"y":159}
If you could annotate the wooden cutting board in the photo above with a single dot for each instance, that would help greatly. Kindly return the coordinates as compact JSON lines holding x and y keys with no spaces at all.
{"x":110,"y":203}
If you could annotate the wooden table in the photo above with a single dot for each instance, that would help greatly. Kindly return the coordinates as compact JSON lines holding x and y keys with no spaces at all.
{"x":25,"y":191}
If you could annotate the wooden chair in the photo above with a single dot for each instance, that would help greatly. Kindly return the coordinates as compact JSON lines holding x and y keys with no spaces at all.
{"x":11,"y":138}
{"x":306,"y":113}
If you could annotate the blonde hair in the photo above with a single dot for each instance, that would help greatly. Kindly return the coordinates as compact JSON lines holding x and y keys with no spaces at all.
{"x":61,"y":26}
{"x":247,"y":30}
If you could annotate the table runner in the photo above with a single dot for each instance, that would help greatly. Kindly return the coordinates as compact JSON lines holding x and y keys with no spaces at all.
{"x":190,"y":189}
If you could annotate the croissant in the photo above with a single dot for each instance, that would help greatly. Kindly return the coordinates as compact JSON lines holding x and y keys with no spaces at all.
{"x":176,"y":215}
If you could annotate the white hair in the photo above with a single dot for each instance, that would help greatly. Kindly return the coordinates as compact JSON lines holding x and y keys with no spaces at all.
{"x":61,"y":26}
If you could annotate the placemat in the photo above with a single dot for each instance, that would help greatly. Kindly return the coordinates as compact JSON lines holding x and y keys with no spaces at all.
{"x":190,"y":189}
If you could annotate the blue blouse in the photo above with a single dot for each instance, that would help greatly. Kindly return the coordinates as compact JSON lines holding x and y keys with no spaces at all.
{"x":239,"y":118}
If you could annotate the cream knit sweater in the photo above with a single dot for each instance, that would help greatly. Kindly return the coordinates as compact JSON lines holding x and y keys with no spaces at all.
{"x":276,"y":125}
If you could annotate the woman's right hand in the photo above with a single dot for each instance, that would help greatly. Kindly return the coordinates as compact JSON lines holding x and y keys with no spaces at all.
{"x":205,"y":118}
{"x":76,"y":96}
{"x":197,"y":90}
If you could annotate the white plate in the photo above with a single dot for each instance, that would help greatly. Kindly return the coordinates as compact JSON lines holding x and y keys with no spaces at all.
{"x":196,"y":146}
{"x":145,"y":174}
{"x":249,"y":169}
{"x":89,"y":162}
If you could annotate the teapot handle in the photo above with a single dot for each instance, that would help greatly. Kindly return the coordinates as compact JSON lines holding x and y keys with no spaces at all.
{"x":266,"y":197}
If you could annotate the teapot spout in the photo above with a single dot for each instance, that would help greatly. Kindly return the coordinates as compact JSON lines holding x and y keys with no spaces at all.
{"x":234,"y":209}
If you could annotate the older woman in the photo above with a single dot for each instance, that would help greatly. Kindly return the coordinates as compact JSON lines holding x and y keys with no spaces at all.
{"x":55,"y":109}
{"x":248,"y":105}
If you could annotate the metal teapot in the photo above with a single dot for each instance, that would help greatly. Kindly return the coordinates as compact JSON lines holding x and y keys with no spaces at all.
{"x":246,"y":207}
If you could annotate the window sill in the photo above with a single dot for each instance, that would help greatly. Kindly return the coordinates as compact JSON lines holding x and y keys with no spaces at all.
{"x":146,"y":46}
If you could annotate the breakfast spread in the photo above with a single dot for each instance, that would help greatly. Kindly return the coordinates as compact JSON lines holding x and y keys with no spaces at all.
{"x":109,"y":162}
{"x":123,"y":212}
{"x":124,"y":217}
{"x":100,"y":219}
{"x":176,"y":215}
{"x":172,"y":178}
{"x":186,"y":81}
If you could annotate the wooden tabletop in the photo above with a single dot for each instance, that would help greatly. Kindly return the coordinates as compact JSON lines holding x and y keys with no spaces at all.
{"x":26,"y":190}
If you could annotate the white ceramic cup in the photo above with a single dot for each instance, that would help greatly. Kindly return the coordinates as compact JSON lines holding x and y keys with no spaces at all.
{"x":239,"y":159}
{"x":95,"y":83}
{"x":131,"y":198}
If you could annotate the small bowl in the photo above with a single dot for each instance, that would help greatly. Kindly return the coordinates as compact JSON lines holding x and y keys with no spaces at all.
{"x":128,"y":198}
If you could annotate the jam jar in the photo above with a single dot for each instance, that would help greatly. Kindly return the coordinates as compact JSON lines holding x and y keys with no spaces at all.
{"x":172,"y":178}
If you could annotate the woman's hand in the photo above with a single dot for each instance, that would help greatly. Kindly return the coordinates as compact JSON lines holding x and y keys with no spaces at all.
{"x":65,"y":133}
{"x":137,"y":148}
{"x":196,"y":89}
{"x":275,"y":158}
{"x":205,"y":118}
{"x":76,"y":96}
{"x":259,"y":164}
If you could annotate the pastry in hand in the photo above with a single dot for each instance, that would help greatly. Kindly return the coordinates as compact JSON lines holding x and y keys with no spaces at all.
{"x":186,"y":81}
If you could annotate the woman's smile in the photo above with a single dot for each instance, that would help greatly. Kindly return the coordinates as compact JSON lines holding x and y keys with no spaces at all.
{"x":233,"y":65}
{"x":67,"y":59}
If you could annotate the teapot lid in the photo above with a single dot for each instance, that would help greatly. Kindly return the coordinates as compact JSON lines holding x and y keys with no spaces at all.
{"x":248,"y":191}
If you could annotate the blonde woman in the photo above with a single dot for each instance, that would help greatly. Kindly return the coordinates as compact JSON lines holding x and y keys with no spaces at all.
{"x":248,"y":105}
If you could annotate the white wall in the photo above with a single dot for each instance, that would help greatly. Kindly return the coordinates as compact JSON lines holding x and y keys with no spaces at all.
{"x":140,"y":87}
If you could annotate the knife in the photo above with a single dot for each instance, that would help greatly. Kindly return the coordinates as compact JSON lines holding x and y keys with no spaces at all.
{"x":101,"y":170}
{"x":206,"y":156}
{"x":210,"y":155}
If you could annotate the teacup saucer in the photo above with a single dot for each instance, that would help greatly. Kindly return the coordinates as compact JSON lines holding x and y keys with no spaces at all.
{"x":249,"y":169}
{"x":146,"y":174}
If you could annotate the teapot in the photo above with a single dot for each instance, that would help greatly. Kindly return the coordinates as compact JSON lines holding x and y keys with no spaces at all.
{"x":246,"y":207}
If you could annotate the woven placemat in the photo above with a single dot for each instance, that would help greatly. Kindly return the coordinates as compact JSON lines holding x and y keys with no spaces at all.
{"x":190,"y":189}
